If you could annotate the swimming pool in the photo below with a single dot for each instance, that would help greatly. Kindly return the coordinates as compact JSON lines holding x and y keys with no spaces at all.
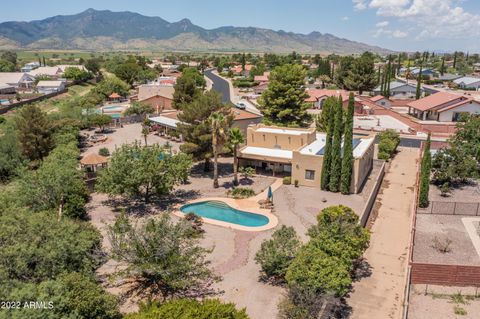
{"x":114,"y":108}
{"x":221,"y":211}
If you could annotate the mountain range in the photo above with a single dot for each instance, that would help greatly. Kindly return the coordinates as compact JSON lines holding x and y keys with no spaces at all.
{"x":107,"y":30}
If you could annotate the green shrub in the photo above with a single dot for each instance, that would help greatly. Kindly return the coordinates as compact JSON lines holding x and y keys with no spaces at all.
{"x":277,"y":253}
{"x":188,"y":309}
{"x":388,"y":142}
{"x":296,"y":183}
{"x":287,"y":180}
{"x":104,"y":151}
{"x":2,"y":119}
{"x":242,"y":192}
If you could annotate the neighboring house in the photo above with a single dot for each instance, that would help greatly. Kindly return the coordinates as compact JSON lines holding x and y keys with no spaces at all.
{"x":443,"y":107}
{"x":448,"y":77}
{"x":30,"y":66}
{"x":238,"y":70}
{"x":19,"y":80}
{"x":63,"y":67}
{"x":7,"y":89}
{"x":400,"y":90}
{"x":51,"y":71}
{"x":299,"y":153}
{"x":468,"y":82}
{"x":262,"y":78}
{"x":168,"y":120}
{"x":243,"y":119}
{"x":427,"y":72}
{"x":381,"y":101}
{"x":159,"y":97}
{"x":317,"y":97}
{"x":47,"y":87}
{"x":258,"y":89}
{"x":164,"y":81}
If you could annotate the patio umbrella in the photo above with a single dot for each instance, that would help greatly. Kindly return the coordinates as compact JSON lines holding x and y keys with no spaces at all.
{"x":270,"y":193}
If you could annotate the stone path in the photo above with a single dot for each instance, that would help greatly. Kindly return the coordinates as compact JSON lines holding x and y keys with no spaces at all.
{"x":381,"y":294}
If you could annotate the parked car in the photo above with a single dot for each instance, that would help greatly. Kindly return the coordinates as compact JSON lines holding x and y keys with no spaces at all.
{"x":241,"y":106}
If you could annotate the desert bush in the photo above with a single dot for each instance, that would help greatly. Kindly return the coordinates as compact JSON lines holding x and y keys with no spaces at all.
{"x":287,"y":180}
{"x":104,"y":151}
{"x":388,"y":143}
{"x":242,"y":192}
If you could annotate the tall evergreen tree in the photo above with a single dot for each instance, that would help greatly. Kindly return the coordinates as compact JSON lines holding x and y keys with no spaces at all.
{"x":34,"y":132}
{"x":283,"y":102}
{"x":425,"y":175}
{"x":329,"y":107}
{"x":336,"y":157}
{"x":442,"y":68}
{"x":418,"y":93}
{"x":455,"y":59}
{"x":347,"y":160}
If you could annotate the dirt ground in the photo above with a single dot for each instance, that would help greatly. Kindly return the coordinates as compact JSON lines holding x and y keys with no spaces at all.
{"x":441,"y":302}
{"x":127,"y":134}
{"x":440,"y":228}
{"x":380,"y":295}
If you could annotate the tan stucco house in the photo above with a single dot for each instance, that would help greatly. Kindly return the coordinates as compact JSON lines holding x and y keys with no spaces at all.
{"x":299,"y":153}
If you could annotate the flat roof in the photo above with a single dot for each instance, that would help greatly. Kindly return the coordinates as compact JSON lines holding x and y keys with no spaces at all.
{"x":163,"y":120}
{"x":268,"y":152}
{"x":360,"y":145}
{"x":281,"y":131}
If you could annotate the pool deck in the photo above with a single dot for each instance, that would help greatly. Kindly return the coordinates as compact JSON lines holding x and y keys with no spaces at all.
{"x":249,"y":205}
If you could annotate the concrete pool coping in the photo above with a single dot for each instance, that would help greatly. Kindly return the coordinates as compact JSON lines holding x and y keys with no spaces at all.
{"x":248,"y":205}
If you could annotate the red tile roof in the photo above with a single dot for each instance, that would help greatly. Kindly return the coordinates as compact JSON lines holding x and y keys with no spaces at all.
{"x":315,"y":94}
{"x":440,"y":101}
{"x":377,"y":98}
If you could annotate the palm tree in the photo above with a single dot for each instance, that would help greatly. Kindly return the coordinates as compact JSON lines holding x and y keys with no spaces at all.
{"x":325,"y":79}
{"x":219,"y":126}
{"x":235,"y":138}
{"x":145,"y":130}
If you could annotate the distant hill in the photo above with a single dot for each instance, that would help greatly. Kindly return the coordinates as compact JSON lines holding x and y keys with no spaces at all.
{"x":107,"y":30}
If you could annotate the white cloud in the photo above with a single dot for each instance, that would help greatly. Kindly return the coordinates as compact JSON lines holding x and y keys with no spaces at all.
{"x":382,"y":24}
{"x":399,"y":34}
{"x":389,"y":33}
{"x":359,"y":4}
{"x":428,"y":18}
{"x":345,"y":18}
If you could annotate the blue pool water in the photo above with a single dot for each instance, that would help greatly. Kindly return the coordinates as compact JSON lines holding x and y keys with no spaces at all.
{"x":113,"y":108}
{"x":220,"y":211}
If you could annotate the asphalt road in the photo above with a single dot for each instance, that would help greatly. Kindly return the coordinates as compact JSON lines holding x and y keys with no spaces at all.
{"x":219,"y":85}
{"x":223,"y":87}
{"x":406,"y":142}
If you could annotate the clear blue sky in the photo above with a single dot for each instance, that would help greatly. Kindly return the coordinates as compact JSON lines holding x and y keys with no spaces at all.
{"x":396,"y":24}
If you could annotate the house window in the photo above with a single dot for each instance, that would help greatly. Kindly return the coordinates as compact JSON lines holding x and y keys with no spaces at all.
{"x":309,"y":174}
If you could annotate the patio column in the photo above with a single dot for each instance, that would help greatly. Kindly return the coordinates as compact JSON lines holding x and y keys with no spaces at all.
{"x":424,"y":115}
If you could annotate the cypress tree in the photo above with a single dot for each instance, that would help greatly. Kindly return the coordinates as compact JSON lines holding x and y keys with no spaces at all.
{"x":425,"y":175}
{"x":387,"y":90}
{"x":419,"y":83}
{"x":336,"y":157}
{"x":328,"y":107}
{"x":44,"y":61}
{"x":399,"y":65}
{"x":382,"y":84}
{"x":455,"y":60}
{"x":442,"y":68}
{"x":347,"y":159}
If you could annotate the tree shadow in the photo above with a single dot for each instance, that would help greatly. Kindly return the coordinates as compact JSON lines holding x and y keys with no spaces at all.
{"x":139,"y":208}
{"x":224,"y":170}
{"x":362,"y":270}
